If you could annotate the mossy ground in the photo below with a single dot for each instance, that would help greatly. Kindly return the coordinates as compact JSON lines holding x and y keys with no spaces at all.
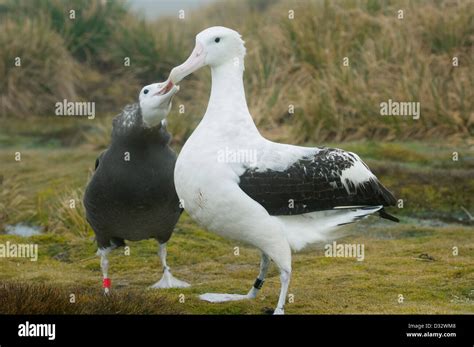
{"x":37,"y":188}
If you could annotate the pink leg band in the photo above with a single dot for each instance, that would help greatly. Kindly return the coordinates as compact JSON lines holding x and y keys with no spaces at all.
{"x":106,"y":283}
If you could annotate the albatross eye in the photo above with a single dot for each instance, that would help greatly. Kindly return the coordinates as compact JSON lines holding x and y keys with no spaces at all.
{"x":217,"y":39}
{"x":145,"y":91}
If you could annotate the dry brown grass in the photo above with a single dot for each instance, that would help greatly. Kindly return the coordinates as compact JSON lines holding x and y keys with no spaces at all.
{"x":67,"y":214}
{"x":35,"y":298}
{"x":290,"y":62}
{"x":14,"y":206}
{"x":47,"y":73}
{"x":299,"y":62}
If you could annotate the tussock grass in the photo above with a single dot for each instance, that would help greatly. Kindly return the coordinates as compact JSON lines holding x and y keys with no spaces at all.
{"x":14,"y":206}
{"x":68,"y":214}
{"x":36,"y":298}
{"x":290,"y":62}
{"x":86,"y":35}
{"x":47,"y":73}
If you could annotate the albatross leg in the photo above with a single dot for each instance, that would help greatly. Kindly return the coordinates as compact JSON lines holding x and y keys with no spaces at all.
{"x":168,"y":280}
{"x":285,"y":281}
{"x":216,"y":297}
{"x":104,"y":265}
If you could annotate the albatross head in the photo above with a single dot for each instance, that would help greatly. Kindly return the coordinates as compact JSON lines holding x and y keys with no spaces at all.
{"x":155,"y":102}
{"x":215,"y":46}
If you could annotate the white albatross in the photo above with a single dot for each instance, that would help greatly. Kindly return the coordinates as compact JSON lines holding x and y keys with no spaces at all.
{"x":282,"y":197}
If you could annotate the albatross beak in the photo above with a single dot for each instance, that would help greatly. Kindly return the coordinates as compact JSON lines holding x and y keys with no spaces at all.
{"x":168,"y":86}
{"x":168,"y":96}
{"x":195,"y":61}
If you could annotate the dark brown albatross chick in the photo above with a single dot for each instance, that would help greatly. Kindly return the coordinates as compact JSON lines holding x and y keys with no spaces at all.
{"x":131,"y":195}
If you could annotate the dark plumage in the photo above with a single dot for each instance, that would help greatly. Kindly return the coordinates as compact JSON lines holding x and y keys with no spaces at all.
{"x":131,"y":195}
{"x":314,"y":184}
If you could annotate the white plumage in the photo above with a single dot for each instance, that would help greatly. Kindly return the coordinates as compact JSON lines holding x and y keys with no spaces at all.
{"x":218,"y":195}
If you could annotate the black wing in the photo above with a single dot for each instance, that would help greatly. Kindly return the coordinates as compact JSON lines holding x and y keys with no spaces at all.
{"x":313,"y":184}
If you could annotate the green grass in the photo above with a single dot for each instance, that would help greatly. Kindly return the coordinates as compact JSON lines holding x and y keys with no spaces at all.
{"x":393,"y":263}
{"x":319,"y":284}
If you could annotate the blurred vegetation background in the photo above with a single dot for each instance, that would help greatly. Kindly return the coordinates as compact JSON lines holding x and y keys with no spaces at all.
{"x":296,"y":62}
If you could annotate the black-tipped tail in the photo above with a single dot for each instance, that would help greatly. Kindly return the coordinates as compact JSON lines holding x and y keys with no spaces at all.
{"x":384,"y":214}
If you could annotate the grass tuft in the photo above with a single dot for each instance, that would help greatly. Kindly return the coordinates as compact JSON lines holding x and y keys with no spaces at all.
{"x":38,"y":298}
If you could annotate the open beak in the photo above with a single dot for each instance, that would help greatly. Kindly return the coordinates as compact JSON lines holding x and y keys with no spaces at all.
{"x":168,"y":86}
{"x":195,"y":61}
{"x":167,"y":93}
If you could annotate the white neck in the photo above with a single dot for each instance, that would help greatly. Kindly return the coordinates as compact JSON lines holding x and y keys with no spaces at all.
{"x":227,"y":103}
